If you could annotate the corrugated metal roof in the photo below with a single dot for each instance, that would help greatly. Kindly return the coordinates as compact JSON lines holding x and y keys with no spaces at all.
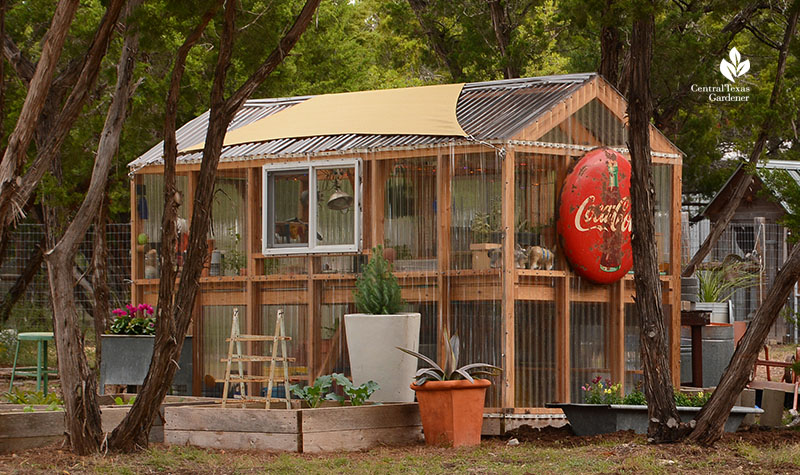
{"x":790,"y":167}
{"x":490,"y":110}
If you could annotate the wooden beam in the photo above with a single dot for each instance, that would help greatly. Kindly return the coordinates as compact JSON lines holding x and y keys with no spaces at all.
{"x":376,"y":196}
{"x":252,"y":239}
{"x":561,"y":111}
{"x":509,"y":280}
{"x":313,"y":335}
{"x":197,"y":315}
{"x":135,"y":230}
{"x":443,"y":216}
{"x":563,"y":364}
{"x":544,"y":293}
{"x":675,"y":272}
{"x":617,"y":105}
{"x":578,"y":133}
{"x":617,"y":349}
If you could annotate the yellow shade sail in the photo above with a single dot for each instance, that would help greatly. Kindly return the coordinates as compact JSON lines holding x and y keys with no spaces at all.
{"x":427,"y":110}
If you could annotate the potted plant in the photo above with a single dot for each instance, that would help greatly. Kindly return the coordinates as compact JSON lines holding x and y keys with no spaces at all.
{"x":235,"y":261}
{"x":128,"y":349}
{"x":716,"y":286}
{"x":606,"y":411}
{"x":485,"y":227}
{"x":450,"y":399}
{"x":377,"y":328}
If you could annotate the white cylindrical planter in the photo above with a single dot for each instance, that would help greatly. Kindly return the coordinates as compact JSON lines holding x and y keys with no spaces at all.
{"x":372,"y":342}
{"x":719,"y":311}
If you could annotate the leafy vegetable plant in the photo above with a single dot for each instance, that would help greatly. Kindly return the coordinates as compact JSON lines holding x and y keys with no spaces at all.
{"x":358,"y":395}
{"x":315,"y":393}
{"x":118,"y":401}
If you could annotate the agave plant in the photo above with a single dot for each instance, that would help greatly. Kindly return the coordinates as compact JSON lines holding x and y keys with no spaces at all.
{"x":450,"y":370}
{"x":719,"y":283}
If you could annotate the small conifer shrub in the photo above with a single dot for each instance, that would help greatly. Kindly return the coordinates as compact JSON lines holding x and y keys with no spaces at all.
{"x":377,"y":290}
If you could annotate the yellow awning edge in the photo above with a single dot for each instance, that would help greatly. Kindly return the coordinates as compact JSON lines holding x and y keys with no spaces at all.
{"x":425,"y":110}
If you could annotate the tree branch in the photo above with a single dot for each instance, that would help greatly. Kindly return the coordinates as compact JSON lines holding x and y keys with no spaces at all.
{"x":743,"y":183}
{"x":20,"y":138}
{"x":9,"y":201}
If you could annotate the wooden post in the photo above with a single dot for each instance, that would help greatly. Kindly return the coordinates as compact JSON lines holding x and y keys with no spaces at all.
{"x":443,"y":215}
{"x":376,"y":198}
{"x":617,"y":350}
{"x":252,"y":240}
{"x":675,"y":276}
{"x":314,"y":331}
{"x":563,"y":364}
{"x":135,"y":230}
{"x":197,"y":316}
{"x":509,"y":279}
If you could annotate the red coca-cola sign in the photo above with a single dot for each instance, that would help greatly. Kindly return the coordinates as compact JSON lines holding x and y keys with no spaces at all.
{"x":594,"y":216}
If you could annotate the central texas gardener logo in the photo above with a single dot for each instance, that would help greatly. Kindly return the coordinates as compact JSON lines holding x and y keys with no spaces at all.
{"x":736,"y":67}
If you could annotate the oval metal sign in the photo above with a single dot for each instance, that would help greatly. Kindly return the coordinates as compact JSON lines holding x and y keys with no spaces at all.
{"x":594,"y":216}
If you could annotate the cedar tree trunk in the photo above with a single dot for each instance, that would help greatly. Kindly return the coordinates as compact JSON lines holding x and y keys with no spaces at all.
{"x":171,"y":327}
{"x":664,"y":419}
{"x":79,"y":386}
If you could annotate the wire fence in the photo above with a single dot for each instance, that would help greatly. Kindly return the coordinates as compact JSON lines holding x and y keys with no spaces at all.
{"x":759,"y":248}
{"x":33,"y":311}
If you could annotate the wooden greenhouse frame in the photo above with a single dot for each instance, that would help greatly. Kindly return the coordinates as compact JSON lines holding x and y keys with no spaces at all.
{"x":526,"y":320}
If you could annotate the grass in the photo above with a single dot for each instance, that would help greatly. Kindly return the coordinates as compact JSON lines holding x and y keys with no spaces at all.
{"x":493,"y":456}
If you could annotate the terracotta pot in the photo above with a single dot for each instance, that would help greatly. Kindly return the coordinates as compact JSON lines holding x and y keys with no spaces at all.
{"x":452,"y":411}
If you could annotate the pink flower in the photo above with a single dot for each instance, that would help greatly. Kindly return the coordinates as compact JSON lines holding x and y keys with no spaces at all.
{"x":119,"y":311}
{"x":597,"y":380}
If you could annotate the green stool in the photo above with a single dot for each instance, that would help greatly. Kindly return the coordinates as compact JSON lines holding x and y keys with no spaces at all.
{"x":41,"y":370}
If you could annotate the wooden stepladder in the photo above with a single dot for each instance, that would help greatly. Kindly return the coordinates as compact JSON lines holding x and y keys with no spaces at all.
{"x":237,"y":339}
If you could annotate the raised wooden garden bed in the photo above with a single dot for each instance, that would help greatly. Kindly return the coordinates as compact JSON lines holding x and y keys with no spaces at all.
{"x":20,"y":430}
{"x":294,"y":430}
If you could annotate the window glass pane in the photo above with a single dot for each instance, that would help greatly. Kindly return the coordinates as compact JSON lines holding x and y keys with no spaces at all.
{"x":228,"y":225}
{"x":335,"y":206}
{"x":289,"y":197}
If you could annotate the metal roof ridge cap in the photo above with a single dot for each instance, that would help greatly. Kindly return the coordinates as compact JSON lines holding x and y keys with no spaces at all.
{"x":573,"y":77}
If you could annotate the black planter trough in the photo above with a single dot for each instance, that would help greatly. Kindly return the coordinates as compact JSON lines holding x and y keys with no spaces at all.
{"x":593,"y":419}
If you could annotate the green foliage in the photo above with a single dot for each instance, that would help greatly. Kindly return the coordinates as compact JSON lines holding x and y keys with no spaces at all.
{"x":315,"y":393}
{"x":321,"y":390}
{"x":719,"y":283}
{"x":235,"y":258}
{"x":636,"y":398}
{"x":118,"y":401}
{"x":604,"y":391}
{"x":692,"y":400}
{"x":601,"y":391}
{"x":134,"y":320}
{"x":377,"y":290}
{"x":357,"y":395}
{"x":34,"y":398}
{"x":451,"y":371}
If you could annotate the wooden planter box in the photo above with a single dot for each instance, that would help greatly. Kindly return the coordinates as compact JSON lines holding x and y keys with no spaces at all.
{"x":21,"y":430}
{"x":294,"y":430}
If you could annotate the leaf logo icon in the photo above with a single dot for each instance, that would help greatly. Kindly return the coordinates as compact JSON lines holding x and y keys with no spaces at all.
{"x":736,"y":67}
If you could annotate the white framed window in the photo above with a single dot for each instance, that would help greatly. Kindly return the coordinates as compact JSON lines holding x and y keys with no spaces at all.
{"x":312,"y":206}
